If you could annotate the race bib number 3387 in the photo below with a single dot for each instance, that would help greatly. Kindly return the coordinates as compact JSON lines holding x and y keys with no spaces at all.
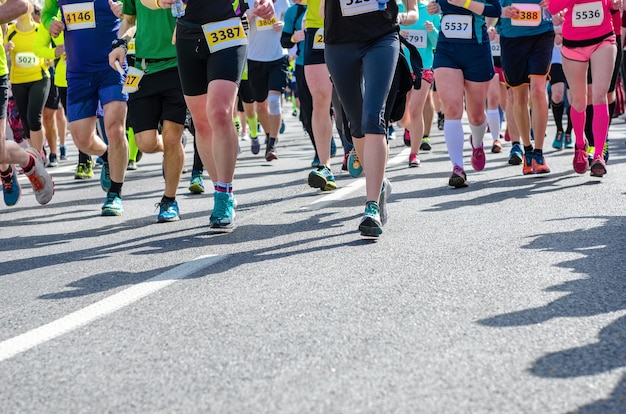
{"x":224,"y":34}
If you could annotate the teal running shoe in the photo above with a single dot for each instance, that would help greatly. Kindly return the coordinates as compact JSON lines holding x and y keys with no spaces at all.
{"x":371,"y":225}
{"x":354,"y":165}
{"x":168,"y":211}
{"x":223,"y":215}
{"x":322,"y":178}
{"x":196,"y":184}
{"x":11,"y":187}
{"x":105,"y":177}
{"x":112,"y":205}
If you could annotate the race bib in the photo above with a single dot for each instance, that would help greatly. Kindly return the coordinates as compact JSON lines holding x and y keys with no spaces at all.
{"x":131,"y":47}
{"x":133,"y":77}
{"x":265,"y":24}
{"x":457,"y":26}
{"x":79,"y":16}
{"x":495,"y":48}
{"x":224,"y":34}
{"x":587,"y":14}
{"x":318,"y":40}
{"x":529,"y":15}
{"x":26,"y":60}
{"x":417,"y":38}
{"x":355,"y":7}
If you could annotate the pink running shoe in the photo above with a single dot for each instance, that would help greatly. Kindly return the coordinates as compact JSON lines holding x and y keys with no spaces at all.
{"x":598,"y":167}
{"x":478,"y":156}
{"x":580,"y":160}
{"x":458,"y":179}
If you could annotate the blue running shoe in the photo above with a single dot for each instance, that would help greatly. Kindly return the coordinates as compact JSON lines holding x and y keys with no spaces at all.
{"x":11,"y":188}
{"x":112,"y":205}
{"x":322,"y":178}
{"x":354,"y":165}
{"x":196,"y":184}
{"x":168,"y":211}
{"x":223,"y":215}
{"x":105,"y":177}
{"x":333,"y":147}
{"x":370,"y":225}
{"x":282,"y":126}
{"x":255,"y":146}
{"x":516,"y":154}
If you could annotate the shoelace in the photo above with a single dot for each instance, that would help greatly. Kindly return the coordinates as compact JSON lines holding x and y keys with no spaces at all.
{"x":37,"y":181}
{"x":7,"y":183}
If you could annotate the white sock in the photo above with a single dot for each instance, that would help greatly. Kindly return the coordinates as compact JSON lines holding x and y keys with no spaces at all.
{"x":478,"y":133}
{"x":453,"y":133}
{"x":493,"y":119}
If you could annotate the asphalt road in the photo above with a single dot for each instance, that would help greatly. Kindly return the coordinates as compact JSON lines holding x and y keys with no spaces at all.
{"x":504,"y":297}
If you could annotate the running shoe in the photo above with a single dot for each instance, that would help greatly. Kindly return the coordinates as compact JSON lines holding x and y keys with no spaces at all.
{"x":516,"y":154}
{"x":43,"y":186}
{"x":385,"y":192}
{"x":223,"y":214}
{"x":132,"y":165}
{"x":598,"y":167}
{"x":568,"y":142}
{"x":496,"y":148}
{"x":344,"y":164}
{"x":270,"y":150}
{"x":333,"y":147}
{"x":580,"y":160}
{"x":105,"y":177}
{"x":478,"y":156}
{"x":527,"y":168}
{"x":322,"y":178}
{"x":63,"y":153}
{"x":425,"y":145}
{"x":371,"y":225}
{"x":168,"y":211}
{"x":84,"y":170}
{"x":255,"y":146}
{"x":407,"y":138}
{"x":605,"y":151}
{"x":53,"y":161}
{"x":354,"y":165}
{"x":414,"y":161}
{"x":196,"y":184}
{"x":282,"y":126}
{"x":440,"y":121}
{"x":112,"y":205}
{"x":507,"y":136}
{"x":11,"y":188}
{"x":539,"y":164}
{"x":391,"y":133}
{"x":558,"y":140}
{"x":458,"y":179}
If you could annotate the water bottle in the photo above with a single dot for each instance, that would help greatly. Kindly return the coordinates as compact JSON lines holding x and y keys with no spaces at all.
{"x":178,"y":9}
{"x":382,"y":4}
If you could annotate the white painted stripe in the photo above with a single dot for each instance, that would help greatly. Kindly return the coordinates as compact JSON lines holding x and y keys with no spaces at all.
{"x":343,"y":192}
{"x":75,"y":320}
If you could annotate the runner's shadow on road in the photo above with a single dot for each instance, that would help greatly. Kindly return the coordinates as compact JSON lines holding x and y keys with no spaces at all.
{"x":600,"y":291}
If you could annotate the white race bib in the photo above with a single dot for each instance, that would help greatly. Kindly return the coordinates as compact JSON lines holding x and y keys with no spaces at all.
{"x":587,"y":14}
{"x":417,"y":38}
{"x":354,"y":7}
{"x":529,"y":14}
{"x":133,"y":77}
{"x":457,"y":26}
{"x":26,"y":60}
{"x":495,"y":48}
{"x":318,"y":40}
{"x":224,"y":34}
{"x":79,"y":16}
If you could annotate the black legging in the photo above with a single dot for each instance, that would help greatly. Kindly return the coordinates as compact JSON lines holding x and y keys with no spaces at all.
{"x":30,"y":99}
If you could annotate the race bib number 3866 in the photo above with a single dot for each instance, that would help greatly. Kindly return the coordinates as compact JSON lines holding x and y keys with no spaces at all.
{"x":224,"y":34}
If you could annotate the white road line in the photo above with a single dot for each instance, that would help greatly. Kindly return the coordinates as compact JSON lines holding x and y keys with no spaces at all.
{"x":75,"y":320}
{"x":343,"y":192}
